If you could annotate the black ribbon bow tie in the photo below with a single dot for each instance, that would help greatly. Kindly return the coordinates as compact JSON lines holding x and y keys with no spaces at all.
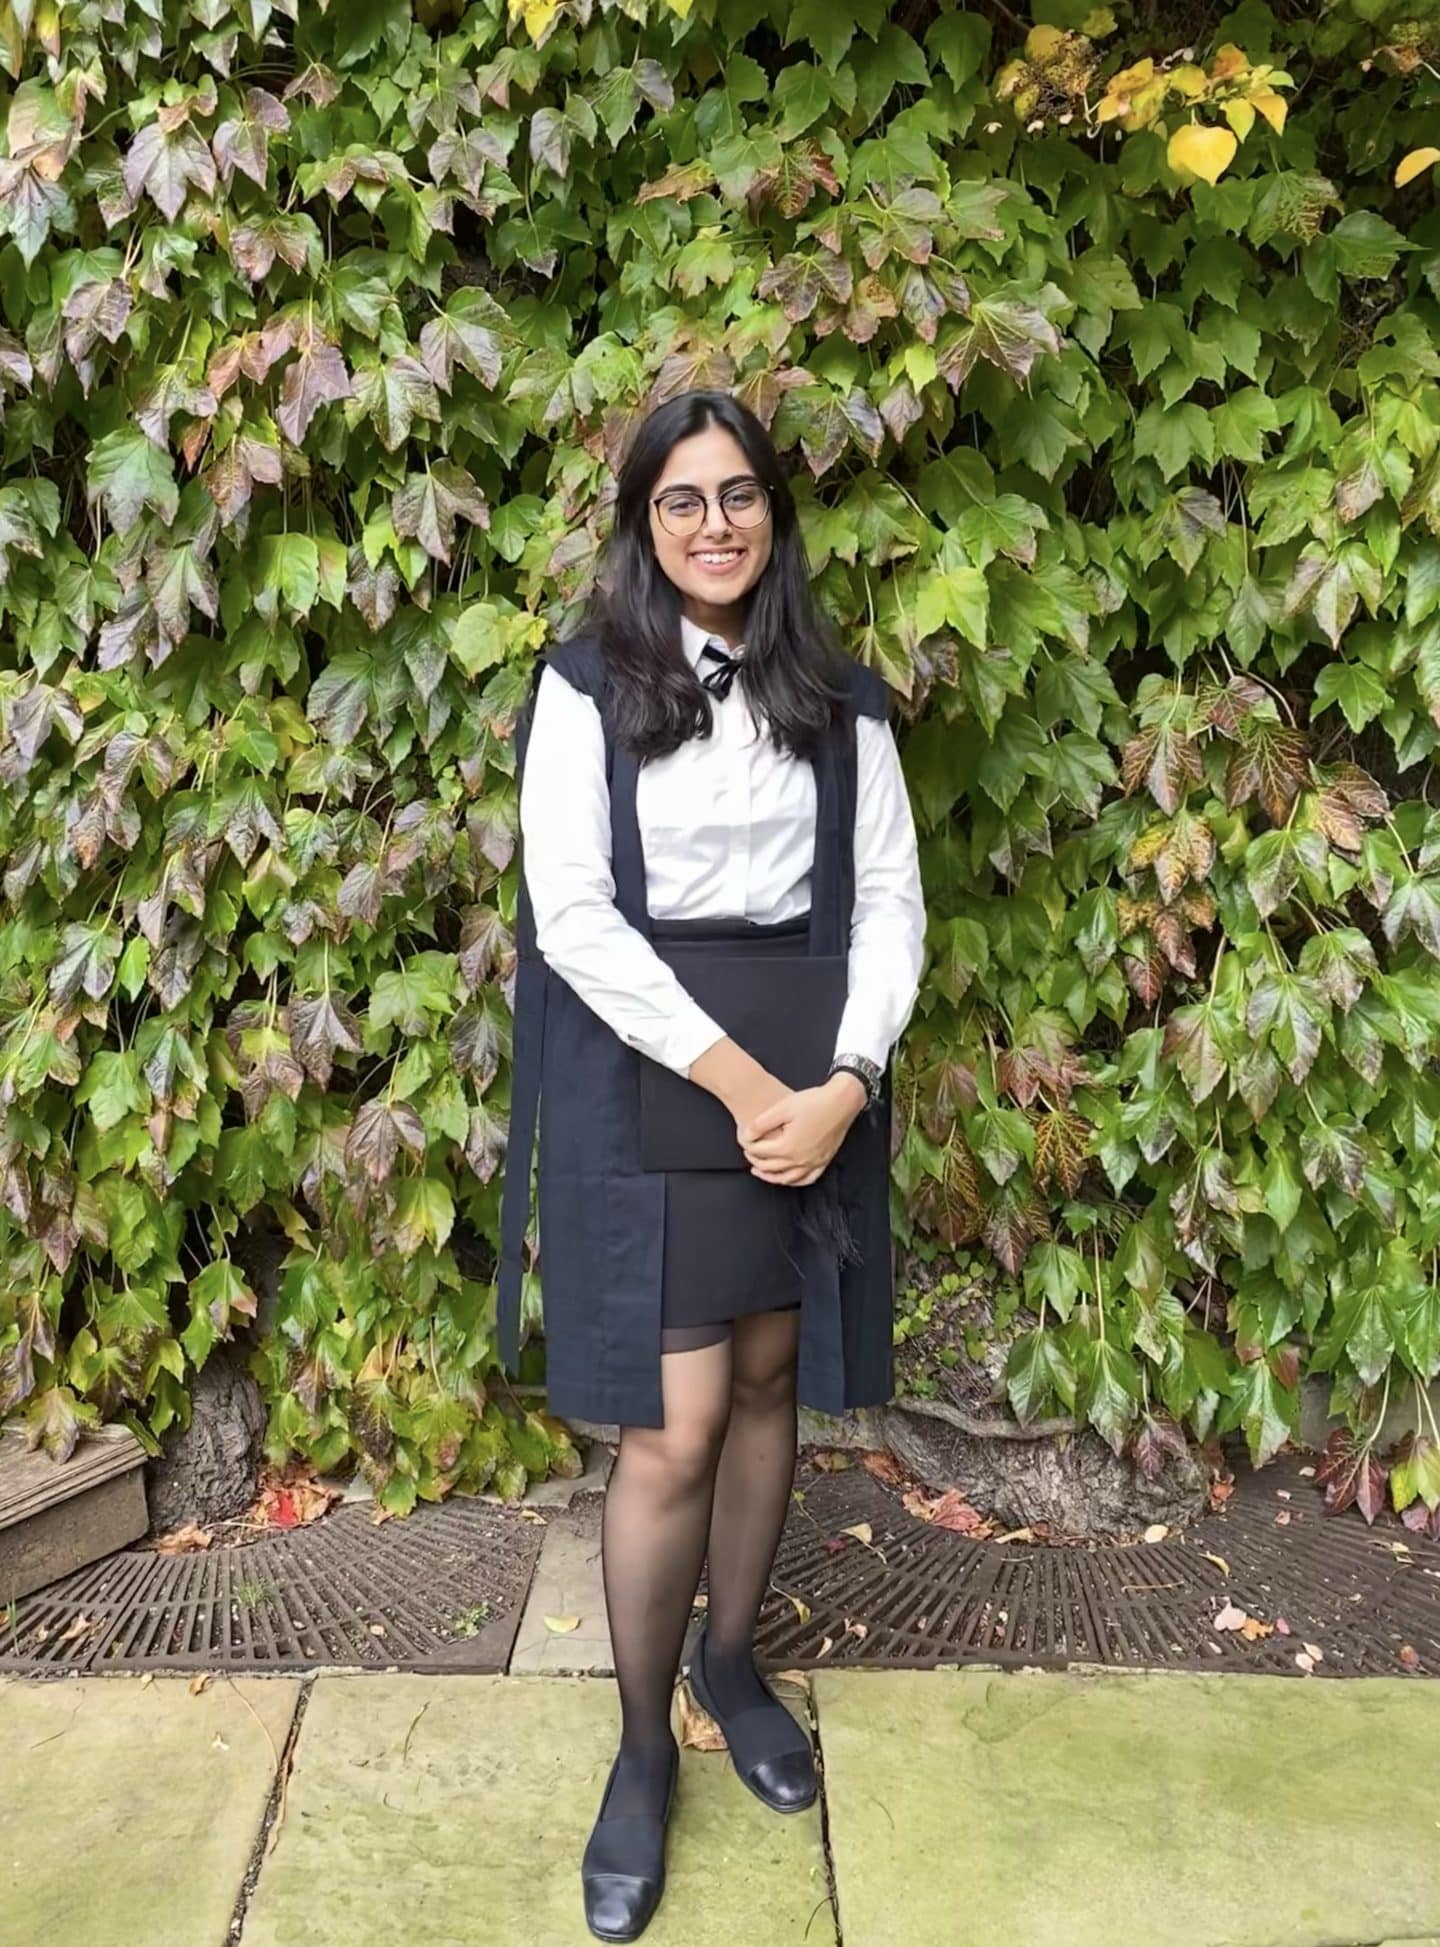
{"x":719,"y":679}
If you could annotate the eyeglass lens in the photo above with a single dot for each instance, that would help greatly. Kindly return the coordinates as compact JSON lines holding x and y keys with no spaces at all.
{"x":743,"y":505}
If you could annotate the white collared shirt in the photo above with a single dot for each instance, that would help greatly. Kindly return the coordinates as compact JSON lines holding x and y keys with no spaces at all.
{"x":727,"y":826}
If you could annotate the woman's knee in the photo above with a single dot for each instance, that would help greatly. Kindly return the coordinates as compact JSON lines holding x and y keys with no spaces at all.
{"x":684,"y":1451}
{"x":763,"y":1376}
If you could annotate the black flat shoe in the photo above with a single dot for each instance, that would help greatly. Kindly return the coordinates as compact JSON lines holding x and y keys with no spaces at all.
{"x":623,"y":1871}
{"x":770,"y":1751}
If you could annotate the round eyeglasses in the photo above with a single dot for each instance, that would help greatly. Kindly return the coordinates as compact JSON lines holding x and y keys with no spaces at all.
{"x":682,"y":511}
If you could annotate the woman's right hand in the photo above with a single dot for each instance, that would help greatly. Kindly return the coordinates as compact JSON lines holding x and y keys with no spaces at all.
{"x":745,"y":1086}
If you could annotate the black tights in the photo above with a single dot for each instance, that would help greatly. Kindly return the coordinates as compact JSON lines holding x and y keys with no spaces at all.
{"x":716,"y":1480}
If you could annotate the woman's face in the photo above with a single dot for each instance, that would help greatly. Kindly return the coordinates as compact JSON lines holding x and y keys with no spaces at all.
{"x":718,"y":564}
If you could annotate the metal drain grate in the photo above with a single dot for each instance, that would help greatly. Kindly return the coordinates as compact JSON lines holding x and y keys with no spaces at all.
{"x":443,"y":1586}
{"x":926,"y":1595}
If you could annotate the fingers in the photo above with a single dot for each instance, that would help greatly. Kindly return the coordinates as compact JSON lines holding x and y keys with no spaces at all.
{"x":768,"y":1119}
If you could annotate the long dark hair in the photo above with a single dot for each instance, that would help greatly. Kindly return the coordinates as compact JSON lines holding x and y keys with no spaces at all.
{"x":791,"y":671}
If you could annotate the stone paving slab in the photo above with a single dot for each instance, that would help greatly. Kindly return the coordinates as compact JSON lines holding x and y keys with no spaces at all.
{"x":128,"y":1810}
{"x":454,"y":1811}
{"x":1113,"y":1809}
{"x":568,"y":1581}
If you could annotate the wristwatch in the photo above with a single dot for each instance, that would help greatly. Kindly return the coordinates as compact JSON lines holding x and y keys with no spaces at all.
{"x":867,"y":1071}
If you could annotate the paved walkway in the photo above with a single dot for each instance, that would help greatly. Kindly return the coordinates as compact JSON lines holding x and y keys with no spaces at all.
{"x":961,"y":1808}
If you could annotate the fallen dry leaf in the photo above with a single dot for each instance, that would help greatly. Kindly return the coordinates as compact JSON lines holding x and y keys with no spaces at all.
{"x":697,"y":1730}
{"x":861,"y":1531}
{"x":186,"y":1540}
{"x":1157,"y":1531}
{"x":1219,"y":1560}
{"x":1250,"y":1627}
{"x":197,"y":1684}
{"x":884,"y":1466}
{"x":562,"y":1625}
{"x":833,"y":1460}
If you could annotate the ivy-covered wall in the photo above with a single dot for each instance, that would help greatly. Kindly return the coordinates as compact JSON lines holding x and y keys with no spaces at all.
{"x":1105,"y":346}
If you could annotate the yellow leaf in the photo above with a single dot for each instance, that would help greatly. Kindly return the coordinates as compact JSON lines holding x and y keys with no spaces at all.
{"x":1219,"y":1560}
{"x":1272,"y":107}
{"x":1157,"y":1531}
{"x":1129,"y":79}
{"x":1110,"y":106}
{"x":1188,"y":81}
{"x":1229,"y":61}
{"x":1097,"y":23}
{"x":861,"y":1531}
{"x":681,"y":7}
{"x":1241,"y":117}
{"x":1042,"y":42}
{"x":1414,"y":164}
{"x":562,"y":1624}
{"x":1198,"y":151}
{"x":537,"y":15}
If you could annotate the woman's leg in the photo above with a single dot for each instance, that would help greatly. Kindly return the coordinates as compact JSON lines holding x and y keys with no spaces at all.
{"x":752,"y":1494}
{"x":656,"y":1514}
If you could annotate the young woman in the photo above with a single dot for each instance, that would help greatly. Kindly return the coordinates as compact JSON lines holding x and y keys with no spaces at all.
{"x":705,"y":773}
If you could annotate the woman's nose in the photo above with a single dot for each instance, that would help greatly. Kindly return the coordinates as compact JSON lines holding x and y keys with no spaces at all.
{"x":715,"y":520}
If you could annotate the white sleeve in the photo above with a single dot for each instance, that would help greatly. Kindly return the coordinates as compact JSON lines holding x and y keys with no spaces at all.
{"x":579,"y":930}
{"x":887,"y":932}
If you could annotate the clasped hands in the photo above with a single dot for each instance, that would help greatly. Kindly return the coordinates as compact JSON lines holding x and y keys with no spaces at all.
{"x":793,"y":1140}
{"x":788,"y":1134}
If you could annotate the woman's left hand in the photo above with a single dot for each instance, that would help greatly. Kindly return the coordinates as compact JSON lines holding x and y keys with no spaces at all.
{"x":794,"y":1140}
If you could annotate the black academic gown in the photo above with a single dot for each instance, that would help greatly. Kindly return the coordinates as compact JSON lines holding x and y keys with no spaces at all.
{"x":600,"y":1216}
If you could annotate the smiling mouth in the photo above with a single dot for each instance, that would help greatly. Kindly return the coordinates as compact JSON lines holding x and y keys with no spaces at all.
{"x":718,"y":557}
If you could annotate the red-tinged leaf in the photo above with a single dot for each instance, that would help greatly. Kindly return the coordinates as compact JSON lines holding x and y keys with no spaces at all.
{"x":1165,"y":760}
{"x":393,"y":393}
{"x":317,"y":377}
{"x":250,"y":460}
{"x":243,"y":142}
{"x":1009,"y":1228}
{"x":681,"y":181}
{"x":487,"y":948}
{"x":803,"y":168}
{"x":1146,"y":976}
{"x":426,"y":507}
{"x":1000,"y":332}
{"x":377,"y":1134}
{"x":1192,"y":1043}
{"x":1229,"y":706}
{"x":254,"y":246}
{"x":1062,"y":1142}
{"x":468,"y":335}
{"x":166,"y":166}
{"x":903,"y":226}
{"x":374,"y":591}
{"x":318,"y":1026}
{"x":1270,"y":764}
{"x":799,"y":282}
{"x":316,"y":83}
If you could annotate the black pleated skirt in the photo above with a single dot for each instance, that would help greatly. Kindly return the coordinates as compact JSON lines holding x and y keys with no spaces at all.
{"x":729,"y":1237}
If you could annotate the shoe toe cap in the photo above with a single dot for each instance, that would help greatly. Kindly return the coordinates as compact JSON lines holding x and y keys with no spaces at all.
{"x":617,"y":1906}
{"x":787,"y":1779}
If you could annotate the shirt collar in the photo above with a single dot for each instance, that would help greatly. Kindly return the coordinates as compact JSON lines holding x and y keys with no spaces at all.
{"x":693,"y":639}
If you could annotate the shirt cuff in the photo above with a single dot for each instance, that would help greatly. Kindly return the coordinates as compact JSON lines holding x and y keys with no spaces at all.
{"x":860,"y":1036}
{"x":688,"y":1035}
